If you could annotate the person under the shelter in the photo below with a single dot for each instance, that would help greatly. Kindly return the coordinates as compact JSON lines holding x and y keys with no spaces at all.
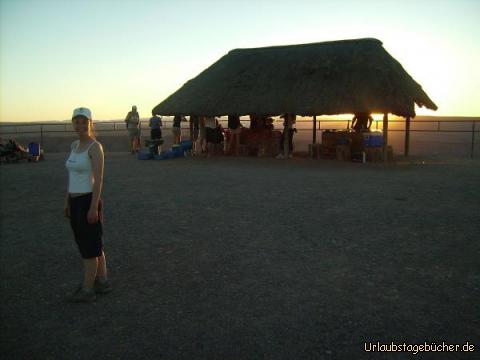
{"x":258,"y":122}
{"x":177,"y":129}
{"x":253,"y":121}
{"x":219,"y":139}
{"x":289,"y":129}
{"x":269,"y":124}
{"x":362,"y":122}
{"x":194,"y":123}
{"x":235,"y":129}
{"x":202,"y":136}
{"x":210,"y":132}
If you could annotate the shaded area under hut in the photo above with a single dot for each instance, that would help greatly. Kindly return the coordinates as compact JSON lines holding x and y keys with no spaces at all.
{"x":337,"y":77}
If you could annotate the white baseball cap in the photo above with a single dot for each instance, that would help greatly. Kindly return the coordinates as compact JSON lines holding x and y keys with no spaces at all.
{"x":82,"y":111}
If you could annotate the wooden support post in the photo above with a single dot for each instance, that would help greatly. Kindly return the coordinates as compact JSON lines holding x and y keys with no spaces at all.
{"x":190,"y":127}
{"x":385,"y":137}
{"x":314,"y":140}
{"x":472,"y":152}
{"x":407,"y":135}
{"x":286,"y":133}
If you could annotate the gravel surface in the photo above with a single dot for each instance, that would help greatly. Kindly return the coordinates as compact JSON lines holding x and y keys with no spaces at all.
{"x":245,"y":258}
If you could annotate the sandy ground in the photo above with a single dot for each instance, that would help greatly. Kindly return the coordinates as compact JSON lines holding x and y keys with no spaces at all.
{"x":246,"y":259}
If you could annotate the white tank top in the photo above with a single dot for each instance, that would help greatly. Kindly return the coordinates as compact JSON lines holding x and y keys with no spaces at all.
{"x":79,"y":166}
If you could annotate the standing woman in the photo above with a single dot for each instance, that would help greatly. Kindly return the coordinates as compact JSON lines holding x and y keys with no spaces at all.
{"x":84,"y":207}
{"x":133,"y":127}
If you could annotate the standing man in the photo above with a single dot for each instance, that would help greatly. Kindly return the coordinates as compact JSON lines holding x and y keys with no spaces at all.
{"x":194,"y":130}
{"x":202,"y":140}
{"x":177,"y":128}
{"x":235,"y":129}
{"x":286,"y":142}
{"x":133,"y":127}
{"x":155,"y":124}
{"x":211,"y":124}
{"x":362,"y":122}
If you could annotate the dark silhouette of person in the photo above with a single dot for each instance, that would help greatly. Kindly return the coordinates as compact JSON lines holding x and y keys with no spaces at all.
{"x":362,"y":122}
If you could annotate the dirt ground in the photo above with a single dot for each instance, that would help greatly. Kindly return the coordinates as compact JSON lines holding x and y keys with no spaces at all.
{"x":246,"y":258}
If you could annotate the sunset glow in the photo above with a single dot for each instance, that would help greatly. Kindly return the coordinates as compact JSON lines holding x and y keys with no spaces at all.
{"x":58,"y":55}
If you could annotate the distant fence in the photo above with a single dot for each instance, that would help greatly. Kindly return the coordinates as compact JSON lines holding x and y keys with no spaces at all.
{"x":466,"y":129}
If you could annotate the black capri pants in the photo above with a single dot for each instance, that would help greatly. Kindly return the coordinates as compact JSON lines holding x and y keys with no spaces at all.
{"x":87,"y":236}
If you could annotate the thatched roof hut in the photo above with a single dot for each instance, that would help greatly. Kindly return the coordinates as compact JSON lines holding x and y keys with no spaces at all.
{"x":328,"y":78}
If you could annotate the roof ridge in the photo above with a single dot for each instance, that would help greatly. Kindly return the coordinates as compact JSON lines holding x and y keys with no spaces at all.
{"x":333,"y":42}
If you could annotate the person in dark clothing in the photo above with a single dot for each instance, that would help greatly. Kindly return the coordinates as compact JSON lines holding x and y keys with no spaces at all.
{"x":194,"y":127}
{"x":176,"y":129}
{"x":289,"y":128}
{"x":362,"y":122}
{"x":235,"y":129}
{"x":155,"y":124}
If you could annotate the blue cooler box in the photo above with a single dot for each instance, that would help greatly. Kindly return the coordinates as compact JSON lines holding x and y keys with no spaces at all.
{"x":34,"y":149}
{"x":177,"y":150}
{"x":186,"y":145}
{"x":144,"y":156}
{"x":373,"y":139}
{"x":164,"y":155}
{"x":376,"y":139}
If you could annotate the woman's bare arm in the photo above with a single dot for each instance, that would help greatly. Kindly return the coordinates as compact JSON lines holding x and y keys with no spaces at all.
{"x":97,"y":156}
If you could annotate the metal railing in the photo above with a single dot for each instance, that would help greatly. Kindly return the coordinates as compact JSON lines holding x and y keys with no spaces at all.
{"x":43,"y":129}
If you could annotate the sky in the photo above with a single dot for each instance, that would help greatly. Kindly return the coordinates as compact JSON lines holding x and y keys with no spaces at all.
{"x":111,"y":54}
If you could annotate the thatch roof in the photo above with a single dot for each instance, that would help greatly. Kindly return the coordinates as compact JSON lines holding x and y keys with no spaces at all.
{"x":328,"y":78}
